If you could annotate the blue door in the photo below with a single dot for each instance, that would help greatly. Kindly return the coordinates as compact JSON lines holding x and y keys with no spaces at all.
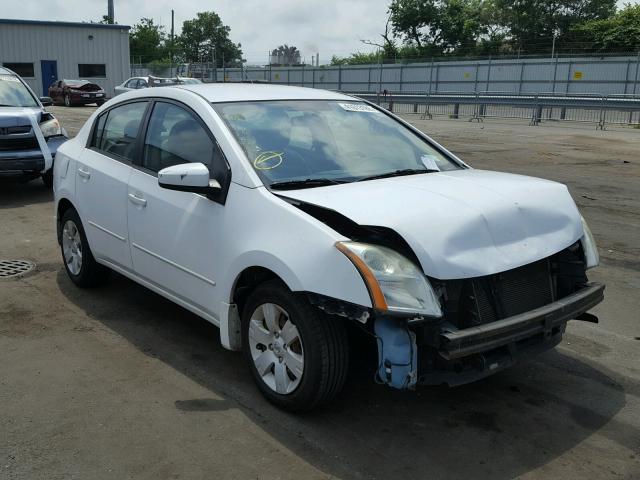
{"x":49,"y":70}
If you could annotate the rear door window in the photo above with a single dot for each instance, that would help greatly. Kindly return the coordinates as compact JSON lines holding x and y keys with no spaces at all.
{"x":116,"y":131}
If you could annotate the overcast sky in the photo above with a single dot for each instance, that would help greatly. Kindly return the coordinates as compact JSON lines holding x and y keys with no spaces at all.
{"x":330,"y":27}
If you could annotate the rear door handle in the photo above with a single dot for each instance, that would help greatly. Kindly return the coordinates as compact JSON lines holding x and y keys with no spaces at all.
{"x":133,"y":198}
{"x":84,"y":173}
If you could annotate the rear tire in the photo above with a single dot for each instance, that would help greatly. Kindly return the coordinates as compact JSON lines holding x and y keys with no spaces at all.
{"x":81,"y":266}
{"x":320,"y":348}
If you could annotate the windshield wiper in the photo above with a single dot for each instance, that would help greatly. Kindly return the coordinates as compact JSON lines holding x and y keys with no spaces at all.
{"x":398,"y":173}
{"x":307,"y":183}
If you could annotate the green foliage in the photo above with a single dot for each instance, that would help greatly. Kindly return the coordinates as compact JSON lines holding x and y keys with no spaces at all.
{"x":357,"y":58}
{"x":531,"y":23}
{"x":620,"y":32}
{"x":206,"y":34}
{"x":147,"y":41}
{"x":440,"y":26}
{"x":481,"y":27}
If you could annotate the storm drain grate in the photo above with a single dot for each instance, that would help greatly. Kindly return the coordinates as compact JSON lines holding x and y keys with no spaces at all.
{"x":13,"y":268}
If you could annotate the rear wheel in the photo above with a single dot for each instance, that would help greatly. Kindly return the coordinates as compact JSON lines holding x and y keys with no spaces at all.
{"x":298,"y":356}
{"x":82,"y":268}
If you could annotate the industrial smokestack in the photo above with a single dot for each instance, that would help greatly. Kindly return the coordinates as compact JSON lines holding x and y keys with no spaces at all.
{"x":110,"y":13}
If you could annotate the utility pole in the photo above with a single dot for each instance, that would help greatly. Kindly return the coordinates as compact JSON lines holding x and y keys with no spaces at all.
{"x":214,"y":70}
{"x":171,"y":49}
{"x":110,"y":13}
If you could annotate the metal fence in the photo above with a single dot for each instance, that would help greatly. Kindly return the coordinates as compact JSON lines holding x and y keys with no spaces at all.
{"x":601,"y":110}
{"x":574,"y":75}
{"x":579,"y":89}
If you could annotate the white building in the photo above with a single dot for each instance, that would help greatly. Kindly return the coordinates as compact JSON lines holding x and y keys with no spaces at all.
{"x":42,"y":52}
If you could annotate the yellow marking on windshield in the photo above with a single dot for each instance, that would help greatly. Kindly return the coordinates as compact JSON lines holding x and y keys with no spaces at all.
{"x":263,"y":161}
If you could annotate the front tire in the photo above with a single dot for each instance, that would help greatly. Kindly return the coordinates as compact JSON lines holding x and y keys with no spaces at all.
{"x":297,"y":355}
{"x":47,"y":178}
{"x":81,"y":266}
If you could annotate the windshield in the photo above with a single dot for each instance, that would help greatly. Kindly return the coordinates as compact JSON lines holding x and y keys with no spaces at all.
{"x":333,"y":141}
{"x":13,"y":93}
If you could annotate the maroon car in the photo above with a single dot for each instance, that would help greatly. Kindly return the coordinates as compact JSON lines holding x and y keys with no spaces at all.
{"x":76,"y":92}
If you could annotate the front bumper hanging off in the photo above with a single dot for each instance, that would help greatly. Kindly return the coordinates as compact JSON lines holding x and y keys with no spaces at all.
{"x":457,"y":356}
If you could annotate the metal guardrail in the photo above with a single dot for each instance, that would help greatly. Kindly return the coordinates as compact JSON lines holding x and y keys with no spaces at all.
{"x":537,"y":108}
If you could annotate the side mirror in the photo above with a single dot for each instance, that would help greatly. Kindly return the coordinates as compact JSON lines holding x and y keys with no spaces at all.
{"x":46,"y":101}
{"x":188,"y":177}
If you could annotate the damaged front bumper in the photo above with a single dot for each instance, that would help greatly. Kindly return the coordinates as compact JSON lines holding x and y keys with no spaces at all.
{"x":28,"y":163}
{"x":432,"y":352}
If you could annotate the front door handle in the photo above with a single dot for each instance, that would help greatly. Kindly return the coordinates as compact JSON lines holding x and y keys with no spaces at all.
{"x":84,"y":173}
{"x":136,"y":200}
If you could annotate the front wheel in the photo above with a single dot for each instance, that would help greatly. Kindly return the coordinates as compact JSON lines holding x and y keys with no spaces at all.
{"x":47,"y":178}
{"x":298,"y":356}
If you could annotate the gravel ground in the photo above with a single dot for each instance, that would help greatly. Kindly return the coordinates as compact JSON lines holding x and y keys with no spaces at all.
{"x":118,"y":383}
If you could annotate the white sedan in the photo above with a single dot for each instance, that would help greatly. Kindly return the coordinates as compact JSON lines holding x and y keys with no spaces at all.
{"x":286,"y":216}
{"x":137,"y":83}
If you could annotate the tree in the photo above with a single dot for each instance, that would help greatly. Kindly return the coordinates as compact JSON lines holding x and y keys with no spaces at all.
{"x":437,"y":26}
{"x":357,"y":58}
{"x":620,"y":32}
{"x":206,"y":35}
{"x":532,"y":24}
{"x":389,"y":47}
{"x":147,"y":41}
{"x":285,"y":55}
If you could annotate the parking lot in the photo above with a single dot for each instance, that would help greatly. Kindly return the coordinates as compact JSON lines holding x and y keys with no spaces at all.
{"x":117,"y":382}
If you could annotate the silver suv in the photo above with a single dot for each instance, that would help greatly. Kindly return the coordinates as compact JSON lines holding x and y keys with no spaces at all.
{"x":29,"y":135}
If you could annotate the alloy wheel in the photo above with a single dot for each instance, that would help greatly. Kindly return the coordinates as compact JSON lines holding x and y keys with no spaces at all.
{"x":276,"y":348}
{"x":72,"y":247}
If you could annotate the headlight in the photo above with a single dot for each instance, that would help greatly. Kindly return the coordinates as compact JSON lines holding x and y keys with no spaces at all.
{"x":591,"y":256}
{"x":51,"y":128}
{"x":394,"y":283}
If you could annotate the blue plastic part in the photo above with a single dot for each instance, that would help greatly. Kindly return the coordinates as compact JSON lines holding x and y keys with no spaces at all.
{"x":397,"y":353}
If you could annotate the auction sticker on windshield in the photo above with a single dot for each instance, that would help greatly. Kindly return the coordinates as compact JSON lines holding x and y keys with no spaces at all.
{"x":9,"y":78}
{"x":357,"y":107}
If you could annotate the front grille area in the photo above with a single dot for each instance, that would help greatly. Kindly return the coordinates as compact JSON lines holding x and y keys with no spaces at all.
{"x":481,"y":300}
{"x":19,"y":143}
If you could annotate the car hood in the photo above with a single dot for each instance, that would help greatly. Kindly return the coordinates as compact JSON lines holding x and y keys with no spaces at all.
{"x":87,"y":87}
{"x":18,"y":116}
{"x":464,"y":223}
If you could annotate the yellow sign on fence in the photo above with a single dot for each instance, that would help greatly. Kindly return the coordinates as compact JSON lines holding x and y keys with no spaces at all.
{"x":577,"y":75}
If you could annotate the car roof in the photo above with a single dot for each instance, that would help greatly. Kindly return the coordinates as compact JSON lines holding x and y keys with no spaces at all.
{"x":240,"y":92}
